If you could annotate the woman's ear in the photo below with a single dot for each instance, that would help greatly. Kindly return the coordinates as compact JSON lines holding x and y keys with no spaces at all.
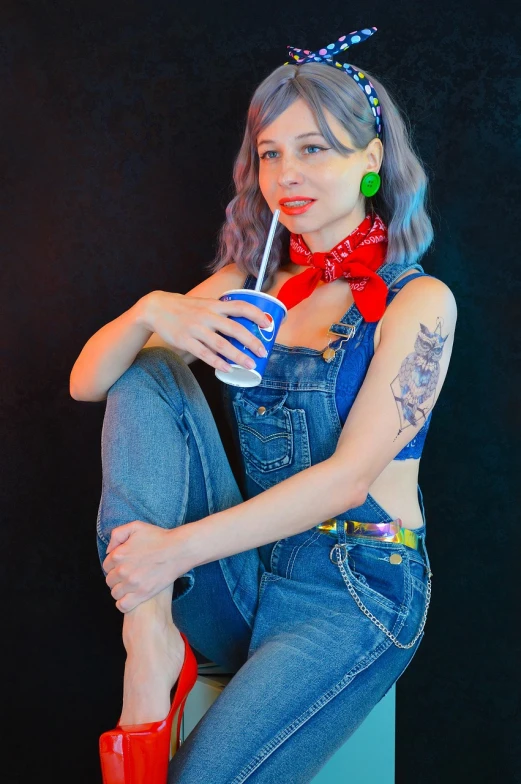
{"x":375,"y":154}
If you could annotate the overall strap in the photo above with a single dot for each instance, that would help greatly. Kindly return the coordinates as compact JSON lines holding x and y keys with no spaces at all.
{"x":389,"y":274}
{"x":394,"y":289}
{"x":250,"y":282}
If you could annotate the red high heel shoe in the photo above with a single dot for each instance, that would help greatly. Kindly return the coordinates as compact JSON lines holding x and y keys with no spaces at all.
{"x":139,"y":753}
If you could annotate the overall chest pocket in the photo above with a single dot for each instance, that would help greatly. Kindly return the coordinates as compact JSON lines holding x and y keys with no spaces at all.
{"x":273,"y":437}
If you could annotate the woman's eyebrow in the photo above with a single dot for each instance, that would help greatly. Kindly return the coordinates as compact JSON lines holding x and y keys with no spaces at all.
{"x":301,"y":136}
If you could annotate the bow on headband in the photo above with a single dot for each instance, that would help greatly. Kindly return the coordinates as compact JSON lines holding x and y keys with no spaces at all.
{"x":325,"y":55}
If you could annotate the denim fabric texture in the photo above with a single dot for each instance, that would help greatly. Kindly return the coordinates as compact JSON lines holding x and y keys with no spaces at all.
{"x":358,"y":352}
{"x":308,"y":664}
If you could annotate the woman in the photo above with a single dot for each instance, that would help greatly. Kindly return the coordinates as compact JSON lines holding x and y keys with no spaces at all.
{"x":313,"y":587}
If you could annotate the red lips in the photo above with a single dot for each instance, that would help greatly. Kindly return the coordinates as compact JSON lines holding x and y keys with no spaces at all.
{"x":296,"y":210}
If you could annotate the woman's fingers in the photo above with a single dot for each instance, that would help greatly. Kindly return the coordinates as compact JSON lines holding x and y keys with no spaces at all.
{"x":120,"y":535}
{"x":242,"y":309}
{"x":208,"y":344}
{"x":117,"y":592}
{"x":112,"y":579}
{"x":200,"y":349}
{"x":201,"y":326}
{"x":240,"y":333}
{"x":127,"y":603}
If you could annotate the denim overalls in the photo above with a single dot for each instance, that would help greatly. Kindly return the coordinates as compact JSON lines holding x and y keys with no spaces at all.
{"x":294,"y":418}
{"x":286,"y":618}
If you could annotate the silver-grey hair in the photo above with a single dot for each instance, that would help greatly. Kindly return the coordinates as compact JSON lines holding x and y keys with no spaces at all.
{"x":400,"y":202}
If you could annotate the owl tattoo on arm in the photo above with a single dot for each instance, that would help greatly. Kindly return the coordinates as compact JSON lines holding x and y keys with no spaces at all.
{"x":415,"y":385}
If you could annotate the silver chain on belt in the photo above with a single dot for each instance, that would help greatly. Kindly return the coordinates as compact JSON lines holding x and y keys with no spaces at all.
{"x":367,"y":612}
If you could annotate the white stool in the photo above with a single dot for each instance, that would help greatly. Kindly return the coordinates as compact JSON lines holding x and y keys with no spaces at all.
{"x":366,"y":758}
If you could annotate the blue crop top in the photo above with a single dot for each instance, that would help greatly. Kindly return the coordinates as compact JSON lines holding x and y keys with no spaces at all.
{"x":358,"y":353}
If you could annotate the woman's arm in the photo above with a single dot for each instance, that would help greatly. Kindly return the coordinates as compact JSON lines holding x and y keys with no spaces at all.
{"x":108,"y":353}
{"x":401,"y":387}
{"x":187,"y":324}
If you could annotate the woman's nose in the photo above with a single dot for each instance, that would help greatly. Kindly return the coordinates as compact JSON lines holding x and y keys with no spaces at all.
{"x":289,"y":172}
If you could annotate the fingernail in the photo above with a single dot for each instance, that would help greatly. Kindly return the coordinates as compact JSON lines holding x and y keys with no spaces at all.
{"x":250,"y":363}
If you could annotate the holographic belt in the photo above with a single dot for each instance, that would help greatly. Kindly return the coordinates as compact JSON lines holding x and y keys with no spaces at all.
{"x":387,"y":532}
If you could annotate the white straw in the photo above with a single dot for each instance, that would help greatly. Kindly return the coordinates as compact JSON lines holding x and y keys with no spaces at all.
{"x":264,"y":262}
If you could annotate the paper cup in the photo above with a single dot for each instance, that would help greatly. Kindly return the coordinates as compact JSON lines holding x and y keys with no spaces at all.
{"x":241,"y":376}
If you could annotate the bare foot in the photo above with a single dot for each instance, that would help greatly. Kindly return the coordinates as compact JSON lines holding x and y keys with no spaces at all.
{"x":155,"y":655}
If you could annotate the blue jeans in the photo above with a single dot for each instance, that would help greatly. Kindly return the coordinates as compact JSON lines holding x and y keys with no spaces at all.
{"x":308,"y":664}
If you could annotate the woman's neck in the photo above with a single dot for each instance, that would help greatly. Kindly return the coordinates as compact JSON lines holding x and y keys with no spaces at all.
{"x":328,"y":237}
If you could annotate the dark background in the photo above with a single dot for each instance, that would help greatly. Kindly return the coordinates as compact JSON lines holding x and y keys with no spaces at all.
{"x":119,"y":123}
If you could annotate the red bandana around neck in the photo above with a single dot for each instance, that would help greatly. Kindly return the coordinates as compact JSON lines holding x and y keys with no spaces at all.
{"x":356,"y":258}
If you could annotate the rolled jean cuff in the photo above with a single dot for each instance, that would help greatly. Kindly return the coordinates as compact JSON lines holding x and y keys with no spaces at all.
{"x":183,"y":585}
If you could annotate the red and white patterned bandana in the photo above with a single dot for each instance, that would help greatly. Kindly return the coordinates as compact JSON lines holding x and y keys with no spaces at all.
{"x":356,"y":258}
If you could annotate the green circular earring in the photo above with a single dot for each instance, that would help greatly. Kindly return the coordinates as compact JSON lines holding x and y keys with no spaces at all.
{"x":370,"y":183}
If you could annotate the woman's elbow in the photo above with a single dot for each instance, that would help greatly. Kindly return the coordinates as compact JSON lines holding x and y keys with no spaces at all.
{"x":355,"y":488}
{"x":82,"y":395}
{"x":357,"y":495}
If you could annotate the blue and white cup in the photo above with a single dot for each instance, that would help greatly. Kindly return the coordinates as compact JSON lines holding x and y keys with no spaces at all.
{"x":277,"y":312}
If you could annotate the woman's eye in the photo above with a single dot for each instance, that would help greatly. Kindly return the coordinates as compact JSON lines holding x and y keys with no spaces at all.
{"x":269,"y":154}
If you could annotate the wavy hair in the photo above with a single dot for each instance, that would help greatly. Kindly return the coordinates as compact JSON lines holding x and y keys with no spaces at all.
{"x":400,"y":202}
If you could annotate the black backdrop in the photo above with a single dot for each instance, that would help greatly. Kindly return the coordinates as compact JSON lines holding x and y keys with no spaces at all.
{"x":119,"y":124}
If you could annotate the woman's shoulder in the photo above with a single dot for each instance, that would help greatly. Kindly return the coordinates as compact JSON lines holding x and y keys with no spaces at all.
{"x":420,"y":296}
{"x":415,"y":285}
{"x":225,"y":278}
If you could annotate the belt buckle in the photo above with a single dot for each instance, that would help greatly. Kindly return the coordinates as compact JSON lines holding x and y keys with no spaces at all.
{"x":386,"y":532}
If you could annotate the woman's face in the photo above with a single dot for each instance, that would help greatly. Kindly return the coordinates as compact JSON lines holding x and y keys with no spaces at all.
{"x":296,"y":163}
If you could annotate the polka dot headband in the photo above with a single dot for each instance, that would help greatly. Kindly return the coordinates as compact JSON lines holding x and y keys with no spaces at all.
{"x":325,"y":55}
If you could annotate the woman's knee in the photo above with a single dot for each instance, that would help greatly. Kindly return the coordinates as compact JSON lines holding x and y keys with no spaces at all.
{"x":153,"y":359}
{"x":157,"y":355}
{"x":155,"y":366}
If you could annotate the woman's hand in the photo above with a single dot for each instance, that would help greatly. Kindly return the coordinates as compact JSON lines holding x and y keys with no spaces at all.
{"x":142,"y":560}
{"x":192,"y":323}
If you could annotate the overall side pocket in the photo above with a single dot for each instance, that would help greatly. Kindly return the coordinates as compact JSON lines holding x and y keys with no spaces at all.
{"x":381,"y":571}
